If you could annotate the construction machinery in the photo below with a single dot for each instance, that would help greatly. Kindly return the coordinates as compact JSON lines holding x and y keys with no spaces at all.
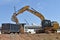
{"x":47,"y":25}
{"x":26,"y":8}
{"x":8,"y":28}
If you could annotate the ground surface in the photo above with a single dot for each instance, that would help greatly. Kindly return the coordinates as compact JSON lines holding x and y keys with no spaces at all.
{"x":30,"y":37}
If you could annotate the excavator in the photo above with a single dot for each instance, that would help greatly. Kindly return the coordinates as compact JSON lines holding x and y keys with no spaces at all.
{"x":47,"y":25}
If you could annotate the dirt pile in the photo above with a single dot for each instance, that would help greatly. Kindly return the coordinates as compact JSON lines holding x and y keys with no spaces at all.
{"x":29,"y":36}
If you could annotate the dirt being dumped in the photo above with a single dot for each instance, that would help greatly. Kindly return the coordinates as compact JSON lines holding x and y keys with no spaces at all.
{"x":29,"y":36}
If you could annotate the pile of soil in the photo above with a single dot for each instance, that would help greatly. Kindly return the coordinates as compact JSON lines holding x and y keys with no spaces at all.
{"x":29,"y":36}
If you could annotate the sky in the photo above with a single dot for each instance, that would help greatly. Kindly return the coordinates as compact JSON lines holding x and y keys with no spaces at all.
{"x":49,"y":8}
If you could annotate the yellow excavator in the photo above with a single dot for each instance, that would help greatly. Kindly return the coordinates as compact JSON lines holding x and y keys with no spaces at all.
{"x":47,"y":25}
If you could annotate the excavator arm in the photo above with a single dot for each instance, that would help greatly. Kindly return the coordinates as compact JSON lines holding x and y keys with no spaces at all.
{"x":14,"y":16}
{"x":26,"y":8}
{"x":22,"y":10}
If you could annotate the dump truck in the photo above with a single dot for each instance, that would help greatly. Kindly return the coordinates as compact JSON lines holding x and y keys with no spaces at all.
{"x":8,"y":28}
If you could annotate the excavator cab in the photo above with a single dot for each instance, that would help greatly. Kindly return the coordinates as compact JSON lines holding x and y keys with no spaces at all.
{"x":46,"y":23}
{"x":46,"y":26}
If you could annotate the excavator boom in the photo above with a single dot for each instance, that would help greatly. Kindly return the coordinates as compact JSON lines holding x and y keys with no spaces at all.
{"x":26,"y":8}
{"x":37,"y":14}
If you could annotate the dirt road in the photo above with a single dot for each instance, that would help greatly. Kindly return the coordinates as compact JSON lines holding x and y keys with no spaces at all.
{"x":29,"y":36}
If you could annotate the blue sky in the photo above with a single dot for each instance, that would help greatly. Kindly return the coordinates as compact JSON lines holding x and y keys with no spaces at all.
{"x":49,"y":8}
